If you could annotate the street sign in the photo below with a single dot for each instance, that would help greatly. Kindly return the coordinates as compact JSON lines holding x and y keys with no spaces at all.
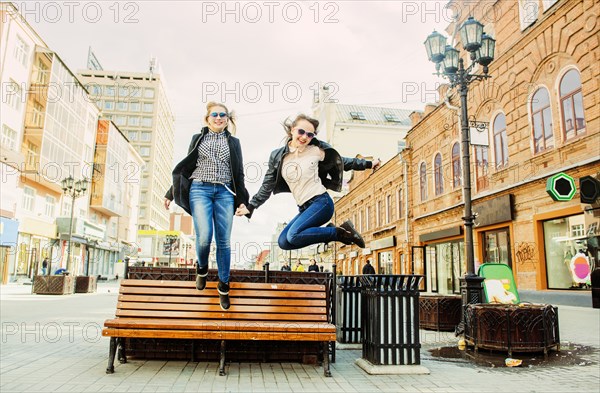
{"x":561,"y":187}
{"x":479,"y":134}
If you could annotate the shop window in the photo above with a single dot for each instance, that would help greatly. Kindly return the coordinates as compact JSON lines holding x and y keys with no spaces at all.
{"x":571,"y":105}
{"x":496,"y":247}
{"x":447,"y":264}
{"x":385,"y":263}
{"x":572,"y":251}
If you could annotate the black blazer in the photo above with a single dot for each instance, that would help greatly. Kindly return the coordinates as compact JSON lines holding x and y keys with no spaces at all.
{"x":180,"y":190}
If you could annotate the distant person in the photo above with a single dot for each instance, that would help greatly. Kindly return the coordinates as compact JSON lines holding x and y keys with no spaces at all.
{"x":285,"y":267}
{"x":313,"y":266}
{"x":298,"y":267}
{"x":368,"y":268}
{"x":44,"y":266}
{"x":209,"y":185}
{"x":321,"y":268}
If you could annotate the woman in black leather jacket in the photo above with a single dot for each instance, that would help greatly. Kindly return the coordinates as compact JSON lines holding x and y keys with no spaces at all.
{"x":307,"y":167}
{"x":209,"y":184}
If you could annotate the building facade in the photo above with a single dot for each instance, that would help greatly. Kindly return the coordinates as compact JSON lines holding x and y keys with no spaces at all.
{"x":138,"y":104}
{"x":541,"y":106}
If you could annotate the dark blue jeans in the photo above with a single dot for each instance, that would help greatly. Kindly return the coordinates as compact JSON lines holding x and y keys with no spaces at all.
{"x":305,"y":229}
{"x":212,"y":205}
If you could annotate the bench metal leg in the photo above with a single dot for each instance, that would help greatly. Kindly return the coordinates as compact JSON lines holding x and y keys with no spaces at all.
{"x":326,"y":370}
{"x":112,"y":349}
{"x":121,"y":350}
{"x":222,"y":361}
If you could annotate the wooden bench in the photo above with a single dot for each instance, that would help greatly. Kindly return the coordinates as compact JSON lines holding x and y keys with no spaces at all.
{"x":259,"y":311}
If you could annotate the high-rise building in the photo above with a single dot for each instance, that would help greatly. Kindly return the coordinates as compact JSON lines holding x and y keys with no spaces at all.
{"x":137,"y":103}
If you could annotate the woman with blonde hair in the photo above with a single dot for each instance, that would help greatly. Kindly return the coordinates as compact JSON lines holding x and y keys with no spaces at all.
{"x":209,"y":185}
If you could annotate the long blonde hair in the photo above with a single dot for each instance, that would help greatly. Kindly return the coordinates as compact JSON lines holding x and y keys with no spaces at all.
{"x":230,"y":114}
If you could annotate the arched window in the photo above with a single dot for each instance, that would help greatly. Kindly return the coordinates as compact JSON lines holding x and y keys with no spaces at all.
{"x":500,"y":142}
{"x":456,"y":169}
{"x":481,"y":167}
{"x":543,"y":139}
{"x":439,"y":180}
{"x":571,"y":105}
{"x":423,"y":180}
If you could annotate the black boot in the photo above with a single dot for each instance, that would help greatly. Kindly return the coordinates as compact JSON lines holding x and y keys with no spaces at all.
{"x":347,"y":234}
{"x":201,"y":274}
{"x":223,"y":289}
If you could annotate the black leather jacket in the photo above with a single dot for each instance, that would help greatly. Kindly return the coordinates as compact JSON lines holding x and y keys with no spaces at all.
{"x":180,"y":190}
{"x":331,"y":171}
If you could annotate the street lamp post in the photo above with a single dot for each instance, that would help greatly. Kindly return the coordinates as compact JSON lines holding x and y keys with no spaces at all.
{"x":73,"y":189}
{"x":171,"y":239}
{"x":447,"y":59}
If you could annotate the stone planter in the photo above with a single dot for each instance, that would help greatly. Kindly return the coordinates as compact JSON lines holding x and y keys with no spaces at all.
{"x":86,"y":284}
{"x":439,"y":312}
{"x":54,"y":285}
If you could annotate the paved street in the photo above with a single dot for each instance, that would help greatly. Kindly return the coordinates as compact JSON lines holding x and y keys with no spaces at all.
{"x":53,"y":344}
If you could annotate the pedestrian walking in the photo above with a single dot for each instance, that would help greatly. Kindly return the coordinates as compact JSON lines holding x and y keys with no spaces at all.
{"x":44,"y":266}
{"x":307,"y":167}
{"x":368,"y":268}
{"x":209,"y":184}
{"x":313,"y":266}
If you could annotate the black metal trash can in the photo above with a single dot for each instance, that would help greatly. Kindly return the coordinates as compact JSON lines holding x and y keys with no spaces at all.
{"x":595,"y":278}
{"x":348,"y":310}
{"x":390,"y":319}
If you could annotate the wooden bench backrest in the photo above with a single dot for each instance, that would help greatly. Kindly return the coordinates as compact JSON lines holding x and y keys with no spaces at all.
{"x":154,"y":299}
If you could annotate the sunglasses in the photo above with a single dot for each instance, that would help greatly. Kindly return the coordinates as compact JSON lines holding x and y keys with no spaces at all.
{"x":309,"y":135}
{"x":220,"y":114}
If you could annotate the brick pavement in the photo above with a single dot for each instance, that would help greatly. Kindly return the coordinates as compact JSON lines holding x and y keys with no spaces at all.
{"x":53,"y":344}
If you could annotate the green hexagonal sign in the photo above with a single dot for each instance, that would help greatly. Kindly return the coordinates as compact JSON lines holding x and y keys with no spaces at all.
{"x":561,"y":187}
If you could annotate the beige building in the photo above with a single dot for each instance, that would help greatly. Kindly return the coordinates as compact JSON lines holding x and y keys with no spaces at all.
{"x":137,"y":103}
{"x":541,"y":105}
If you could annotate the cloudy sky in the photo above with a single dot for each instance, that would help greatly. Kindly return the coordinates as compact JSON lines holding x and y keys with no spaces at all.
{"x":263,"y":59}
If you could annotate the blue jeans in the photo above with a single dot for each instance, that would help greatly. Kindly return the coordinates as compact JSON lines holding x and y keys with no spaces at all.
{"x":305,"y":229}
{"x":212,"y":204}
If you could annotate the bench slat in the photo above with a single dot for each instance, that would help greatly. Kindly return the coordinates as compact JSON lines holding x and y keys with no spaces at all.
{"x":213,"y":284}
{"x":213,"y":292}
{"x":176,"y":324}
{"x":217,"y":335}
{"x":234,"y":308}
{"x":214,"y":300}
{"x":229,"y":314}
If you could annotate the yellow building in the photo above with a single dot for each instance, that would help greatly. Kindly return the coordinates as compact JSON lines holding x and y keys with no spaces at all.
{"x":541,"y":105}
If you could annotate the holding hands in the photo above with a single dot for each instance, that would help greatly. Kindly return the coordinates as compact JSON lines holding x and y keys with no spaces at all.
{"x":375,"y":164}
{"x":242,"y":210}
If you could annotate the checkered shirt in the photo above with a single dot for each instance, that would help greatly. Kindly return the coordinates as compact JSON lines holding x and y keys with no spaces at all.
{"x":213,"y":165}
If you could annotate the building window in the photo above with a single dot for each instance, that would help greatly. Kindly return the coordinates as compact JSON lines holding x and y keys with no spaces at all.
{"x":66,"y":207}
{"x":121,"y":120}
{"x":528,"y":12}
{"x":132,"y":135}
{"x":146,"y":136}
{"x":541,"y":121}
{"x":368,"y":218}
{"x":379,"y":213}
{"x":148,"y":93}
{"x":388,"y":209}
{"x":438,"y":177}
{"x":28,"y":198}
{"x":147,"y":121}
{"x":134,"y":106}
{"x":122,"y":106}
{"x":399,"y":193}
{"x":109,"y":105}
{"x":571,"y":250}
{"x":481,"y":167}
{"x":21,"y":51}
{"x":50,"y":206}
{"x":357,"y":116}
{"x":571,"y":105}
{"x":456,"y":169}
{"x":500,"y":142}
{"x":423,"y":181}
{"x":9,"y":137}
{"x":13,"y":95}
{"x":361,"y":220}
{"x":144,"y":151}
{"x":133,"y":121}
{"x":109,"y":91}
{"x":390,"y":117}
{"x":148,"y":107}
